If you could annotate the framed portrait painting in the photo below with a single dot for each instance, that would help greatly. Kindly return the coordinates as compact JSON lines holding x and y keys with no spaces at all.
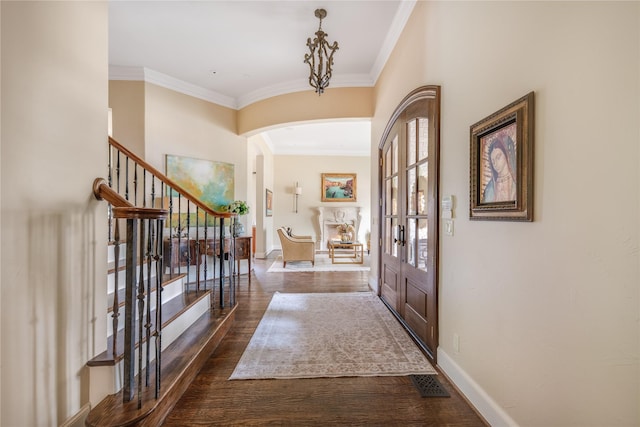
{"x":268,"y":203}
{"x":502,"y":164}
{"x":338,"y":187}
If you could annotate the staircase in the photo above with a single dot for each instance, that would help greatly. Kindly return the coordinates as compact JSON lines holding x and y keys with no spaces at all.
{"x":171,"y":299}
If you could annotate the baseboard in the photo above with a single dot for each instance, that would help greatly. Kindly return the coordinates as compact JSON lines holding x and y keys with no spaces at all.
{"x":77,"y":420}
{"x":483,"y":403}
{"x":373,"y":284}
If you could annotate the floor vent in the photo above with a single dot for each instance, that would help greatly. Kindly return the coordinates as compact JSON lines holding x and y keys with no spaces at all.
{"x":429,"y":386}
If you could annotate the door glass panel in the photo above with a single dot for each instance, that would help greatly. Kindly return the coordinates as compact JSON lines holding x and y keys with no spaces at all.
{"x":394,"y":196}
{"x":394,"y":155}
{"x":386,"y":245}
{"x":411,"y":242}
{"x":387,"y":162}
{"x":423,"y":179}
{"x":394,"y":236}
{"x":412,"y":189}
{"x":423,"y":139}
{"x":422,"y":244}
{"x":387,"y":197}
{"x":411,"y":142}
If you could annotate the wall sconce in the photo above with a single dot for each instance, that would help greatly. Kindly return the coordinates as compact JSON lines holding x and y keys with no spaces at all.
{"x":297,"y":191}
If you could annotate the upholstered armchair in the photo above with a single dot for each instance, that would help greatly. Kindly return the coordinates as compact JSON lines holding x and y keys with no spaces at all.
{"x":296,"y":248}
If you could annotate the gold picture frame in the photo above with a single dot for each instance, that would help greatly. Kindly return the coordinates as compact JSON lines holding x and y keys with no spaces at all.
{"x":338,"y":187}
{"x":268,"y":198}
{"x":501,"y":172}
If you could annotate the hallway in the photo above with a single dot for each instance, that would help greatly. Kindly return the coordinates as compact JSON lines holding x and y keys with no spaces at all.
{"x":213,"y":400}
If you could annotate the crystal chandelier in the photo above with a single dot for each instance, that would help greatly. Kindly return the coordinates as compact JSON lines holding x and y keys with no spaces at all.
{"x":320,"y":58}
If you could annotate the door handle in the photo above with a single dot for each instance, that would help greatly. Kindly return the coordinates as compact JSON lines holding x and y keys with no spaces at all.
{"x":401,"y":240}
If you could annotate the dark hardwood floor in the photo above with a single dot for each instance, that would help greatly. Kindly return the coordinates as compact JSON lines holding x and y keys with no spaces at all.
{"x":372,"y":401}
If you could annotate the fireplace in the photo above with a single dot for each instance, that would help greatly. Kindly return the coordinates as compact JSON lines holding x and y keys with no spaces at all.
{"x":330,"y":217}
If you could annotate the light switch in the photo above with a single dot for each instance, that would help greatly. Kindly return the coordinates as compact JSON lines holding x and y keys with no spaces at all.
{"x":448,"y":227}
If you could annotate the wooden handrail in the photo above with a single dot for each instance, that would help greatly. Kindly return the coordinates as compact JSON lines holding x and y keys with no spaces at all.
{"x":132,"y":212}
{"x":102,"y":191}
{"x":169,"y":182}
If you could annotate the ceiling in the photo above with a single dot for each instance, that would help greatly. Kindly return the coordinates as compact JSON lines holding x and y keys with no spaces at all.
{"x":235,"y":53}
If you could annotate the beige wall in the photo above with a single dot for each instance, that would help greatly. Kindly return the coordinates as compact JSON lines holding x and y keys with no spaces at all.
{"x":126,"y":100}
{"x":182,"y":124}
{"x":54,"y":143}
{"x":339,"y":103}
{"x":186,"y":126}
{"x":546,"y":312}
{"x":307,"y":170}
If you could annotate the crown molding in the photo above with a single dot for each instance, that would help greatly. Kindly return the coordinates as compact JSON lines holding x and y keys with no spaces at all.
{"x":399,"y":21}
{"x":151,"y":76}
{"x":338,"y":81}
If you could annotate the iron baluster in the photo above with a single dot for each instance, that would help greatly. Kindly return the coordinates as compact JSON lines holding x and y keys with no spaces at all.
{"x":159,"y":257}
{"x":116,"y":302}
{"x":141,"y":304}
{"x":148,"y":295}
{"x":221,"y":263}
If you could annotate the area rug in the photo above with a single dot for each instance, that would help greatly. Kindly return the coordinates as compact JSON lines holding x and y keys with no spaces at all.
{"x":329,"y":335}
{"x":322,"y":263}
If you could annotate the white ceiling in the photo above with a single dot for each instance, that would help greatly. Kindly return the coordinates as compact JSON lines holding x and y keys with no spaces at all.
{"x":234,"y":53}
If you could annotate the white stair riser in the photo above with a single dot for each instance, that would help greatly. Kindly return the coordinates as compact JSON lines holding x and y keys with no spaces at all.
{"x":122,"y":276}
{"x":170,"y":291}
{"x":106,"y":380}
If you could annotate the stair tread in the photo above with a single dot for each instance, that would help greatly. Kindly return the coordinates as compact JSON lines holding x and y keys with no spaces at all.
{"x":180,"y":363}
{"x":171,"y":309}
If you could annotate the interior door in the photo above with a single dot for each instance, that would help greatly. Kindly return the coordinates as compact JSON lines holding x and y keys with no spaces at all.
{"x":409,"y":211}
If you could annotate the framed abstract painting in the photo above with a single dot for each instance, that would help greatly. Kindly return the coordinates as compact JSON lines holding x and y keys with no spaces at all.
{"x":211,"y":182}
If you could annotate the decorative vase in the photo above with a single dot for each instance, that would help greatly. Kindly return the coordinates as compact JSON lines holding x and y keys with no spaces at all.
{"x":238,"y":229}
{"x":346,"y":237}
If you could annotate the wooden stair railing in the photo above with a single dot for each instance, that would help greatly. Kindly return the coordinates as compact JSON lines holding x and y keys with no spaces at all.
{"x":186,"y":250}
{"x":150,"y":203}
{"x":144,"y":232}
{"x":190,"y":248}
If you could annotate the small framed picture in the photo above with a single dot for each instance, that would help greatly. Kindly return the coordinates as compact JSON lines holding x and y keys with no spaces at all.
{"x":268,"y":203}
{"x":338,"y":187}
{"x":502,"y":164}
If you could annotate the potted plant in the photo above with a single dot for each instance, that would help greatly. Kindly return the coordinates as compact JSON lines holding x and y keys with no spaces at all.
{"x":238,"y":207}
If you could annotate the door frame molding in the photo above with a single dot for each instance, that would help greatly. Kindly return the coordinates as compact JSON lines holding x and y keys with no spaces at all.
{"x":418,"y":94}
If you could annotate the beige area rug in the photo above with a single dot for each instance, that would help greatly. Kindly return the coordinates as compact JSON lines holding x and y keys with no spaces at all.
{"x":322,"y":263}
{"x":329,"y":335}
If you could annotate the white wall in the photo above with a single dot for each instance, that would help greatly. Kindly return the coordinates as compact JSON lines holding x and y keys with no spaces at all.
{"x":546,"y":312}
{"x":307,"y":171}
{"x":54,"y":143}
{"x":263,"y":159}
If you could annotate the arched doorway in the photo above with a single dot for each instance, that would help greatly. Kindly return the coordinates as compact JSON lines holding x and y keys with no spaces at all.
{"x":409,"y":226}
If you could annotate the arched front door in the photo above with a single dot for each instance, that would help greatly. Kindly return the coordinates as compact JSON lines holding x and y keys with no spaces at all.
{"x":409,"y":162}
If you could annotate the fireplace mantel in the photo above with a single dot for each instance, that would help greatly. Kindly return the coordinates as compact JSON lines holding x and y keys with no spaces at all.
{"x":330,"y":217}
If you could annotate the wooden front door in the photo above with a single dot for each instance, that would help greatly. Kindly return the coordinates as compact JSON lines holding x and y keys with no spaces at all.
{"x":409,"y":214}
